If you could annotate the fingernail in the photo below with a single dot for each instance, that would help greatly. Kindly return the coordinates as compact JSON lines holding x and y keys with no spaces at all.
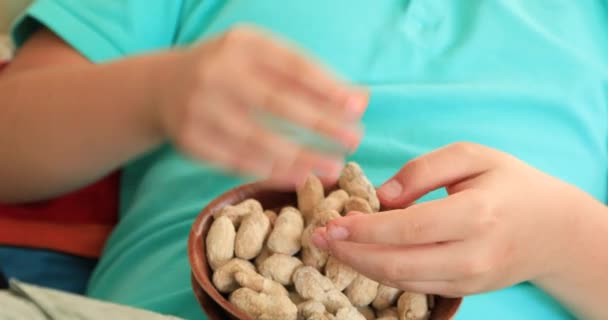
{"x":319,"y":241}
{"x":391,"y":190}
{"x":337,"y":232}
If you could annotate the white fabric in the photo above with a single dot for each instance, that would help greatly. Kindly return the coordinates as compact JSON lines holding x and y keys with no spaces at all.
{"x":25,"y":301}
{"x":5,"y":51}
{"x":9,"y":10}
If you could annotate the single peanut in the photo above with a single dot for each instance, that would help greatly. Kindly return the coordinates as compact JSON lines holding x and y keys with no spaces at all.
{"x":356,"y":184}
{"x":340,"y":274}
{"x":386,"y":297}
{"x":310,"y":195}
{"x":220,"y":242}
{"x":287,"y":233}
{"x":280,"y":268}
{"x":334,"y":202}
{"x":263,"y":306}
{"x":413,"y":306}
{"x":362,"y":291}
{"x":251,"y":235}
{"x":357,"y":204}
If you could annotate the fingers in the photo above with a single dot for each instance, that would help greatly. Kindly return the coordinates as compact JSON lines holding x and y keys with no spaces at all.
{"x":285,"y":163}
{"x":291,"y":171}
{"x":212,"y":141}
{"x":447,"y":219}
{"x":294,"y":107}
{"x":451,"y":269}
{"x":398,"y":264}
{"x":277,"y":78}
{"x":305,"y":163}
{"x":291,"y":163}
{"x":440,"y":168}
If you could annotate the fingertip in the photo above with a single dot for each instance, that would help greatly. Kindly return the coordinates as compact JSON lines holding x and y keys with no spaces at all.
{"x":390,"y":193}
{"x":341,"y":222}
{"x":329,"y":173}
{"x":356,"y":102}
{"x":319,"y":240}
{"x":343,"y":228}
{"x":390,"y":190}
{"x":331,"y":223}
{"x":349,"y":137}
{"x":337,"y":232}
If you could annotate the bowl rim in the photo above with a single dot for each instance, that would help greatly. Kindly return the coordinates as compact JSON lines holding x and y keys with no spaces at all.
{"x":198,"y":258}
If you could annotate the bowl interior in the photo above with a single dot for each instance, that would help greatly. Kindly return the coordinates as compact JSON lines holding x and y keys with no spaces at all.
{"x":215,"y":305}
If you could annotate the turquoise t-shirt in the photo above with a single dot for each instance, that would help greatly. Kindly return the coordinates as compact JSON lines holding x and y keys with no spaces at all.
{"x":524,"y":76}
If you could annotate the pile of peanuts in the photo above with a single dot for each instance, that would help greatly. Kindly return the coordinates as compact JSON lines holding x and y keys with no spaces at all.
{"x":269,"y":268}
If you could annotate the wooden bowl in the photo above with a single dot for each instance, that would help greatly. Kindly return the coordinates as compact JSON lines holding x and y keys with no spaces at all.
{"x":215,"y":305}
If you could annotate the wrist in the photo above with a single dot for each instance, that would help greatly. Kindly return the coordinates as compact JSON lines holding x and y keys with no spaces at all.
{"x":161,"y":76}
{"x":585,"y":223}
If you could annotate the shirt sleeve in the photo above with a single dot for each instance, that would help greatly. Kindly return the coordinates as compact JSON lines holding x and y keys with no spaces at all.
{"x":103,"y":30}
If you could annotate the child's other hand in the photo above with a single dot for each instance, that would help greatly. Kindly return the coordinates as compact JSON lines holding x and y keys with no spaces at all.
{"x":209,"y":102}
{"x":503,"y":222}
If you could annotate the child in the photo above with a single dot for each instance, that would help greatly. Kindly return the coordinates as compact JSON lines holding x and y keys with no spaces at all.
{"x":522,"y":77}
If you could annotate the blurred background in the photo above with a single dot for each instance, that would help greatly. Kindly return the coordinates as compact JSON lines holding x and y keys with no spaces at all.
{"x":9,"y":9}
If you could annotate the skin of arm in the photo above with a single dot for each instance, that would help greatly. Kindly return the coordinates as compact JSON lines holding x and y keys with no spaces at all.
{"x":66,"y":122}
{"x":579,"y":279}
{"x":89,"y":124}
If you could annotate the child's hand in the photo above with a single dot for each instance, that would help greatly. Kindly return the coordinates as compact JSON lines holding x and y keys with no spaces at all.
{"x":503,"y":222}
{"x":210,"y":104}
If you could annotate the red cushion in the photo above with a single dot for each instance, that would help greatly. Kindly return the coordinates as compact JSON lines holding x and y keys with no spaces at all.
{"x":78,"y":223}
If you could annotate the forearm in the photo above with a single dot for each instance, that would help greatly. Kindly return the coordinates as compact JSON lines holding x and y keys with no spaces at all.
{"x":580,"y":280}
{"x":62,"y":127}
